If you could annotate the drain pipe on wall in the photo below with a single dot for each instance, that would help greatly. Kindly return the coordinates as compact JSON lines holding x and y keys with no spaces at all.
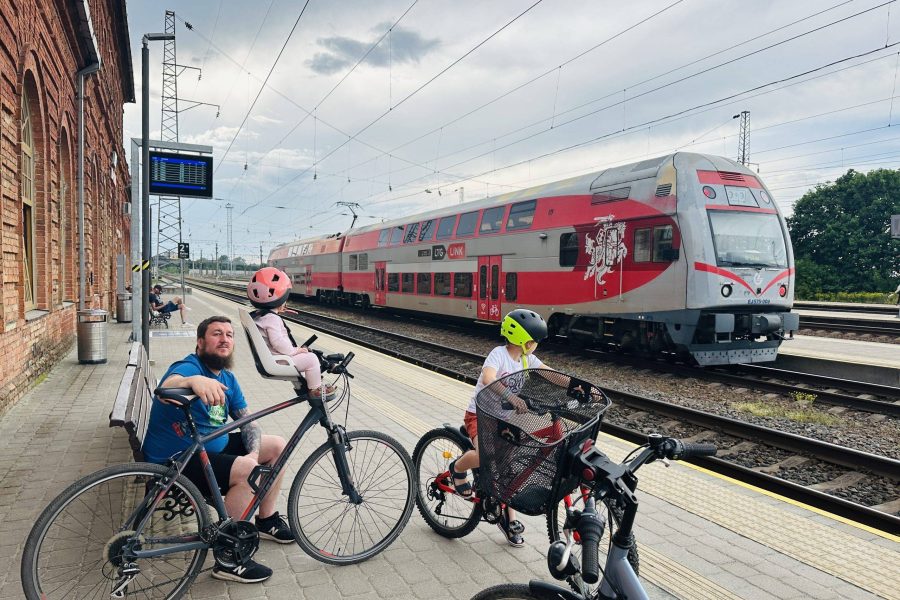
{"x":87,"y":31}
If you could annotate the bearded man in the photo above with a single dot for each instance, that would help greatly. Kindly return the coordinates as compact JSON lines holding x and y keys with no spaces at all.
{"x":232,"y":457}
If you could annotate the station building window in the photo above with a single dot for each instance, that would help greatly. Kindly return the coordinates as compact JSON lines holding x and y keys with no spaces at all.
{"x":442,"y":284}
{"x":492,"y":219}
{"x":408,"y":283}
{"x":423,"y":283}
{"x":445,"y":228}
{"x":568,"y":249}
{"x":462,"y":285}
{"x":521,"y":215}
{"x":28,"y":200}
{"x":467,"y":223}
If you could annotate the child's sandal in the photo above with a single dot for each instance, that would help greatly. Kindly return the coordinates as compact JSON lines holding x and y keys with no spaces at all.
{"x":464,"y":489}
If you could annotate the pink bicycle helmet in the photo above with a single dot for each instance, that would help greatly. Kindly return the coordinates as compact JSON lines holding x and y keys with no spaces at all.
{"x":269,"y":288}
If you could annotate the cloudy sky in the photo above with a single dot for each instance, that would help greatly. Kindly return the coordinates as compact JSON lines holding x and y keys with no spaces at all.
{"x":380,"y":102}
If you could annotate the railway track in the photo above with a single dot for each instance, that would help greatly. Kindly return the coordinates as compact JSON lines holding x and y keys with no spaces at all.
{"x":729,"y":433}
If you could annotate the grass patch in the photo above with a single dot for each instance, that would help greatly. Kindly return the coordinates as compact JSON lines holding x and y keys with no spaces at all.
{"x":800,"y":415}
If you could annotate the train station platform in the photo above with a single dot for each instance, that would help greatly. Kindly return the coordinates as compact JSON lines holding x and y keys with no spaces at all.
{"x":846,"y":359}
{"x":701,"y":536}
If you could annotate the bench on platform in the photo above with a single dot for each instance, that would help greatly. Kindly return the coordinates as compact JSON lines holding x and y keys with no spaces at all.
{"x":134,"y":399}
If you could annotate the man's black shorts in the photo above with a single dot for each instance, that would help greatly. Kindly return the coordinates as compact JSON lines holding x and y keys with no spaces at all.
{"x":221,"y":463}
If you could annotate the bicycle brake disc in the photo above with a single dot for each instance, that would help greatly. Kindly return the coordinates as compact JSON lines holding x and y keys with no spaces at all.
{"x":235,"y":544}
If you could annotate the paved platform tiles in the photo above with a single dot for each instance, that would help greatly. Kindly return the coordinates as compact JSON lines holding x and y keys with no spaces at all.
{"x":701,"y":536}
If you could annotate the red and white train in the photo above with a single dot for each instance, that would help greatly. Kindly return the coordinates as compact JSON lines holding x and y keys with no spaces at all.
{"x":686,"y":253}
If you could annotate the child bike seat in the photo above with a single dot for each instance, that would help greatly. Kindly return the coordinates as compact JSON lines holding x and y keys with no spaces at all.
{"x":271,"y":366}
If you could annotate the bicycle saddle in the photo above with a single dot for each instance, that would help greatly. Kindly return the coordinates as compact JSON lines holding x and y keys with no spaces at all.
{"x":177,"y":396}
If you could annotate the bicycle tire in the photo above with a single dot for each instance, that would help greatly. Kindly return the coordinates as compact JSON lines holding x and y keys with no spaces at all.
{"x":555,"y":518}
{"x":381,"y":464}
{"x":429,"y":460}
{"x":506,"y":591}
{"x":85,"y":503}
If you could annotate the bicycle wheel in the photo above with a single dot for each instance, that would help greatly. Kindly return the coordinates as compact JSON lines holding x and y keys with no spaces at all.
{"x":74,"y":548}
{"x":448,"y":514}
{"x":506,"y":591}
{"x":331,"y":529}
{"x":556,"y":518}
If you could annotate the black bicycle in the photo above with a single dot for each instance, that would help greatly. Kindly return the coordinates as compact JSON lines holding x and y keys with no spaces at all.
{"x":143,"y":530}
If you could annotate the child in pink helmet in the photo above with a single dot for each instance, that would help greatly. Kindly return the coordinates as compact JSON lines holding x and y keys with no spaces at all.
{"x":268,"y":291}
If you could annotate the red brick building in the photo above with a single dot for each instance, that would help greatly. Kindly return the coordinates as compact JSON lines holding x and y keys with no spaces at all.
{"x":43,"y":45}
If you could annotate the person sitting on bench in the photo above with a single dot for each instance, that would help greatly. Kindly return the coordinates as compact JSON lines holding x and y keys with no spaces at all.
{"x":171,"y":306}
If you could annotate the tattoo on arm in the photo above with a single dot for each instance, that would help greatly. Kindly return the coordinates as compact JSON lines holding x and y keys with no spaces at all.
{"x":251,"y":432}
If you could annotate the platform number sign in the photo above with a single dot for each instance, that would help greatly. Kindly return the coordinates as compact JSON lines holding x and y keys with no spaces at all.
{"x":184,"y":250}
{"x":895,"y":226}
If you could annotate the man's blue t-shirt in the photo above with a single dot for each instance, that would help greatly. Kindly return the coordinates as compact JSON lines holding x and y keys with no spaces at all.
{"x":168,"y":431}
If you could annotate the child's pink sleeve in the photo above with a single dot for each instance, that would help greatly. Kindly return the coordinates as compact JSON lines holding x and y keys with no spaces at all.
{"x":276,"y":334}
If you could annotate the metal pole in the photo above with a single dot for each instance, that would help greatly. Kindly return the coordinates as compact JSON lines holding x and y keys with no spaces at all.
{"x":145,"y":193}
{"x":137,"y":288}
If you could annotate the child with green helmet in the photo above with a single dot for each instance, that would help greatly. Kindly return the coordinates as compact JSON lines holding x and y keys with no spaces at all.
{"x":522,"y":329}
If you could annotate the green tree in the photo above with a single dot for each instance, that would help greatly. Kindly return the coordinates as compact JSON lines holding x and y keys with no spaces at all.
{"x":841,"y":233}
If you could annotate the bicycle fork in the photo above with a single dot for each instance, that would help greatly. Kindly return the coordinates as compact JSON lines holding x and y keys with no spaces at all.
{"x":340,"y":445}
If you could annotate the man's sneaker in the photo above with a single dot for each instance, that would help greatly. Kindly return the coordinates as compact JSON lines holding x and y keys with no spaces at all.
{"x":274,"y":528}
{"x":252,"y":572}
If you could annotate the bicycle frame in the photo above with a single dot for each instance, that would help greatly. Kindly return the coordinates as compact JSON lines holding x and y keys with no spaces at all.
{"x":317,"y":413}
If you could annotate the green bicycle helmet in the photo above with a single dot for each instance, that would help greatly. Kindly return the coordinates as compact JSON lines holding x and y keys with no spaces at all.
{"x":522,"y":326}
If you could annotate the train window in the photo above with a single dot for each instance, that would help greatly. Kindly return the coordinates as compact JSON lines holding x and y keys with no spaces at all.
{"x":412,"y":230}
{"x":462,"y":285}
{"x":427,"y":231}
{"x":642,"y":245}
{"x":568,"y":249}
{"x":467,"y":223}
{"x":482,"y":281}
{"x":445,"y":228}
{"x":383,"y":237}
{"x":393,"y":282}
{"x":363,"y":262}
{"x":379,"y":279}
{"x":521,"y":215}
{"x":495,"y":282}
{"x":662,"y":243}
{"x":492,"y":219}
{"x":740,"y":196}
{"x":442,"y":284}
{"x":512,"y":285}
{"x":408,"y":283}
{"x":423,"y":283}
{"x":352,"y":262}
{"x":397,"y":234}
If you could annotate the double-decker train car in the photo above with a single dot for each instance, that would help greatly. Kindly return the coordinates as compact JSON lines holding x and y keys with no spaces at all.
{"x":685,"y":254}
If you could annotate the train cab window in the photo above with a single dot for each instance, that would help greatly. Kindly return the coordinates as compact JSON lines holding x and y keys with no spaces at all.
{"x":662,"y":244}
{"x":491,"y":220}
{"x":352,"y":262}
{"x":408,"y":283}
{"x":462,"y":285}
{"x":397,"y":234}
{"x":568,"y":249}
{"x":512,"y":286}
{"x":467,"y":223}
{"x":495,"y":282}
{"x":442,"y":284}
{"x":393,"y":282}
{"x":383,"y":237}
{"x":740,"y":196}
{"x":423,"y":283}
{"x":445,"y":228}
{"x":521,"y":215}
{"x":642,"y":245}
{"x":427,"y":232}
{"x":412,"y":230}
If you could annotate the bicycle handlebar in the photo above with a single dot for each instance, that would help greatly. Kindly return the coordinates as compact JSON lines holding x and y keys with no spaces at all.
{"x":590,"y":527}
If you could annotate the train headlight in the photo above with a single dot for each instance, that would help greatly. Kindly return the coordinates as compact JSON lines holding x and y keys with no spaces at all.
{"x":726,"y":290}
{"x":709,"y":192}
{"x":782,"y":291}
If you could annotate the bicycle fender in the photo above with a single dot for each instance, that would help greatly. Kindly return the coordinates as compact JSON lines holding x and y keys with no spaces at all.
{"x":551,"y":591}
{"x":463,"y":440}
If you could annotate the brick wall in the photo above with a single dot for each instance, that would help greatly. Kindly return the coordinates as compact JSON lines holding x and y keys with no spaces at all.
{"x":41,"y":50}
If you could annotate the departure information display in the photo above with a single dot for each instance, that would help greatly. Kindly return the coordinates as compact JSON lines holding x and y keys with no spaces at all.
{"x":181,"y":175}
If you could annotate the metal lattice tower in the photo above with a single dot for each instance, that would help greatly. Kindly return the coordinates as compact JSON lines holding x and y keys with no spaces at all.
{"x":168,"y":221}
{"x":744,"y":138}
{"x":228,"y":244}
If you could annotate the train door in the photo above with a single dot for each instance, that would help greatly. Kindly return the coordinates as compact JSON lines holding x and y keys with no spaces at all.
{"x":309,"y":285}
{"x":489,"y":268}
{"x":380,"y":287}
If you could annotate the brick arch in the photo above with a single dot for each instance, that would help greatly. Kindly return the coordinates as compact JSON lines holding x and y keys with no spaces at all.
{"x":31,"y":91}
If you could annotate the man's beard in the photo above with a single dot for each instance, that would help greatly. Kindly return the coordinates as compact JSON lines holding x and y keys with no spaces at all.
{"x":216,"y":362}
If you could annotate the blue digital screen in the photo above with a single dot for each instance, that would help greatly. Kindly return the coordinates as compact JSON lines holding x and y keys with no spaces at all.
{"x":174,"y":174}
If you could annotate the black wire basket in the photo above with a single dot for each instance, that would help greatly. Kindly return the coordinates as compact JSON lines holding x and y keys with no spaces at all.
{"x":527,"y":422}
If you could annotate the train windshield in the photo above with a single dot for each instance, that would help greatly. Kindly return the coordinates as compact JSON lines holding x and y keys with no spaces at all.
{"x":748,"y":239}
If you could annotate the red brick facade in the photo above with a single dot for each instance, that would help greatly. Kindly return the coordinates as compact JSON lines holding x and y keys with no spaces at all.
{"x":43,"y":44}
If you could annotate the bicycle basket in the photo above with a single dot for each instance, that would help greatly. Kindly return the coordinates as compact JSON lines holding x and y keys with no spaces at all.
{"x":522,"y":453}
